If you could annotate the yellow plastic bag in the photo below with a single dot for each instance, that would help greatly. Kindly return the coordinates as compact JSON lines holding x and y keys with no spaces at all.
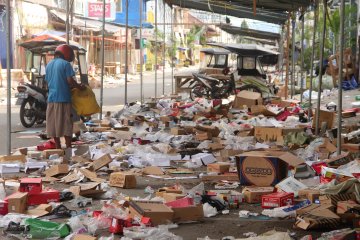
{"x":84,"y":101}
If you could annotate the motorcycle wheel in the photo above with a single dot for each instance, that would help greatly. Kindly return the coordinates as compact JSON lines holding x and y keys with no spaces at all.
{"x":198,"y":91}
{"x":250,"y":87}
{"x":27,"y":113}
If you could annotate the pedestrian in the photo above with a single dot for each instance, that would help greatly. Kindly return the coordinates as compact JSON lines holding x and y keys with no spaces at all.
{"x":60,"y":79}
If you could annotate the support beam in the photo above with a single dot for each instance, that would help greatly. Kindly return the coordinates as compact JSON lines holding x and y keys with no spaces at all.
{"x":67,"y":22}
{"x":316,"y":11}
{"x":8,"y":76}
{"x":322,"y":45}
{"x":287,"y":60}
{"x":164,"y":49}
{"x":293,"y":24}
{"x":126,"y":52}
{"x":341,"y":63}
{"x":302,"y":57}
{"x":102,"y":61}
{"x":141,"y":53}
{"x":156,"y":46}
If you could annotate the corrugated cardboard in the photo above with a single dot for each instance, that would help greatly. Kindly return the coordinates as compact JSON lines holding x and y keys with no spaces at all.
{"x":177,"y":131}
{"x":40,"y":210}
{"x":325,"y":116}
{"x":311,"y":194}
{"x":101,"y":162}
{"x":247,"y":98}
{"x":254,"y":194}
{"x":188,"y":214}
{"x":17,"y":202}
{"x":218,"y":167}
{"x":13,"y":158}
{"x":48,"y":152}
{"x":273,"y":134}
{"x":169,"y":197}
{"x":158,"y":212}
{"x":84,"y":237}
{"x":344,"y":206}
{"x":161,"y":191}
{"x":57,"y":170}
{"x":222,"y":177}
{"x":265,"y":168}
{"x":122,"y":180}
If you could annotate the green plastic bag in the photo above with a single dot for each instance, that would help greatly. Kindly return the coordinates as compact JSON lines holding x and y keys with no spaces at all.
{"x":40,"y":229}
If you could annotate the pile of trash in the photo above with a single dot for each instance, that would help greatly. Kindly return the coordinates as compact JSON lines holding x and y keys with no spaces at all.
{"x":236,"y":154}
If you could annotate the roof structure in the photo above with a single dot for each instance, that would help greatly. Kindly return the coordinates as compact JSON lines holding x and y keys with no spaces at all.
{"x":272,"y":11}
{"x":250,"y":32}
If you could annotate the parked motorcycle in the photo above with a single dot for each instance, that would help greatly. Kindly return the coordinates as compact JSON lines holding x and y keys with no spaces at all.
{"x":204,"y":86}
{"x":33,"y":104}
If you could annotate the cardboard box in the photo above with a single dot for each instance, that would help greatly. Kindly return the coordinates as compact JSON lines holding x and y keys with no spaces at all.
{"x":17,"y":202}
{"x":48,"y":152}
{"x":264,"y":168}
{"x":261,"y":109}
{"x":46,"y":196}
{"x":90,"y":189}
{"x":188,"y":214}
{"x":222,"y":177}
{"x":325,"y":116}
{"x":275,"y":200}
{"x":177,"y":131}
{"x":161,"y":191}
{"x":57,"y":170}
{"x":30,"y":185}
{"x":247,"y":98}
{"x":218,"y":167}
{"x":311,"y":194}
{"x":254,"y":194}
{"x":213,"y":131}
{"x":344,"y":206}
{"x":170,"y":197}
{"x":41,"y":210}
{"x":101,"y":162}
{"x":274,"y":134}
{"x":122,"y":180}
{"x":158,"y":212}
{"x":202,"y":136}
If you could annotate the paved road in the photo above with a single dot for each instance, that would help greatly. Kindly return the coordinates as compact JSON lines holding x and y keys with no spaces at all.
{"x":113,"y":101}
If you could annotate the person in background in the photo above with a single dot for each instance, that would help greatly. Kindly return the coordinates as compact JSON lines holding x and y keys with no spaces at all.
{"x":60,"y":79}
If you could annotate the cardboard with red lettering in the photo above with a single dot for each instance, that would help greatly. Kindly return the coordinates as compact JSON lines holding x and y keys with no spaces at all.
{"x":46,"y":196}
{"x":275,"y":200}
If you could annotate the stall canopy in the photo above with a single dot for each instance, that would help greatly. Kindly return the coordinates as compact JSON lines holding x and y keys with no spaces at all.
{"x":250,"y":32}
{"x":272,"y":11}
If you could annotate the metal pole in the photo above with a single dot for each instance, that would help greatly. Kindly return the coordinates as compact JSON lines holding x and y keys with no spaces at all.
{"x":141,"y":53}
{"x":172,"y":49}
{"x":341,"y":60}
{"x":164,"y":48}
{"x":287,"y":60}
{"x":8,"y":76}
{"x":302,"y":57}
{"x":281,"y":56}
{"x":126,"y":52}
{"x":322,"y":44}
{"x":67,"y":24}
{"x":293,"y":24}
{"x":312,"y":57}
{"x":156,"y":47}
{"x":102,"y":61}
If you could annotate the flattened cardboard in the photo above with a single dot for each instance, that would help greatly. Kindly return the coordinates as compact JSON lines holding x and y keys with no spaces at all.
{"x":101,"y":162}
{"x":48,"y":152}
{"x":57,"y":170}
{"x":273,"y":134}
{"x":158,"y":212}
{"x":84,"y":237}
{"x":344,"y":206}
{"x":325,"y":116}
{"x":122,"y":180}
{"x":152,"y":170}
{"x":87,"y":190}
{"x":13,"y":158}
{"x":41,"y":210}
{"x":170,"y":197}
